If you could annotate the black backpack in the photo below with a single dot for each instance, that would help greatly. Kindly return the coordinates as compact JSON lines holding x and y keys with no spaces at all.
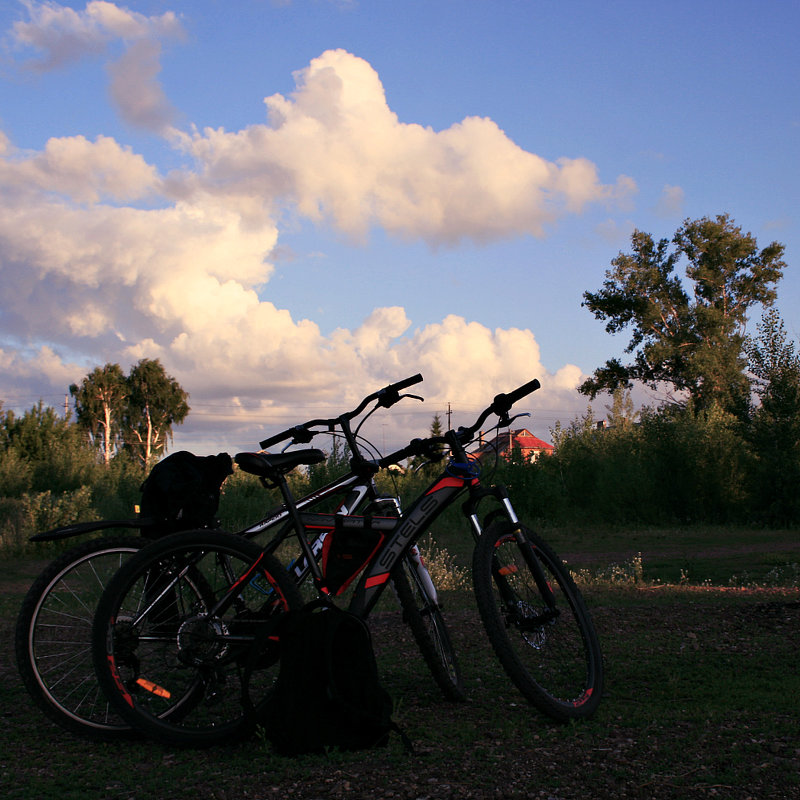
{"x":182,"y":492}
{"x":328,"y":694}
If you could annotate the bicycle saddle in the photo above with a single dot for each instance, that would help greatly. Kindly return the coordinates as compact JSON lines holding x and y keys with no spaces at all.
{"x":266,"y":465}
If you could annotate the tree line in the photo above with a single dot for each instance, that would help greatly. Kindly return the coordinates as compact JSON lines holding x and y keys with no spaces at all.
{"x":722,"y":445}
{"x":665,"y":466}
{"x":55,"y":470}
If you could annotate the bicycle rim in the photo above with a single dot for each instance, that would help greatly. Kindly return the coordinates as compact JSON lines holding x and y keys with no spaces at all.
{"x":547,"y":646}
{"x":424,"y":616}
{"x":171,"y":666}
{"x":54,"y":633}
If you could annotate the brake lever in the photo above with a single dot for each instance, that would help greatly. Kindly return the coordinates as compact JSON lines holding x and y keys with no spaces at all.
{"x":301,"y":436}
{"x":389,"y":399}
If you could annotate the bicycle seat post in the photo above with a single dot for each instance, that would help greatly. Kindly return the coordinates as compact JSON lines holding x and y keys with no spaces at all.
{"x":282,"y":485}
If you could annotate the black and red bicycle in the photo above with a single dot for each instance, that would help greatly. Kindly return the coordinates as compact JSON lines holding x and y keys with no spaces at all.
{"x":53,"y":631}
{"x":181,"y":640}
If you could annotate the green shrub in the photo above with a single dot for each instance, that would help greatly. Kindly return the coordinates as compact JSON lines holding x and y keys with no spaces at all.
{"x":15,"y":525}
{"x":46,"y":510}
{"x":16,"y":474}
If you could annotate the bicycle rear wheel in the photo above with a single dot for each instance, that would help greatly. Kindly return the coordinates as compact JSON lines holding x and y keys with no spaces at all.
{"x":173,"y":664}
{"x":537,"y":622}
{"x":54,"y":632}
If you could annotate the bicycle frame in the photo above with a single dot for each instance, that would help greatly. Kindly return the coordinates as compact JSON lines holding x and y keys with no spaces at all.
{"x":458,"y":477}
{"x":358,"y":489}
{"x":404,"y":532}
{"x":443,"y":492}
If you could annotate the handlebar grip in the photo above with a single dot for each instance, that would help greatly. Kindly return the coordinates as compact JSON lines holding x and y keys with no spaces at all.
{"x":404,"y":384}
{"x":390,"y":394}
{"x":300,"y":433}
{"x":415,"y":447}
{"x":278,"y":437}
{"x":503,"y":402}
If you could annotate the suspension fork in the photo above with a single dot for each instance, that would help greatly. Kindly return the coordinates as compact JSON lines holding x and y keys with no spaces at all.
{"x":500,"y":493}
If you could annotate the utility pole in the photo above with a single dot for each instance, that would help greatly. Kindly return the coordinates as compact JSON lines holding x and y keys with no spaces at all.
{"x":449,"y":413}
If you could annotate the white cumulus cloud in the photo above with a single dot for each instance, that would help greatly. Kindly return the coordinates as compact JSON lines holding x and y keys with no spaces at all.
{"x":62,"y":36}
{"x":104,"y":259}
{"x":337,"y":152}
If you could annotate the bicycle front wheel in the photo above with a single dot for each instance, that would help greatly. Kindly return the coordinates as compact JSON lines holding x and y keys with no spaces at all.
{"x":537,"y":622}
{"x":176,"y":662}
{"x":423,"y":615}
{"x":54,"y":633}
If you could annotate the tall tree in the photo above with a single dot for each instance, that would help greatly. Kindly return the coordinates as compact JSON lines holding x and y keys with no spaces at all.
{"x":775,"y":364}
{"x":99,"y":403}
{"x":622,"y":412}
{"x":775,"y":429}
{"x":155,"y":403}
{"x":420,"y":463}
{"x":686,"y":332}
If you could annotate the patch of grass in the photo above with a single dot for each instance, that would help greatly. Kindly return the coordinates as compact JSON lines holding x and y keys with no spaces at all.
{"x":700,"y":683}
{"x":443,"y":567}
{"x":629,"y":573}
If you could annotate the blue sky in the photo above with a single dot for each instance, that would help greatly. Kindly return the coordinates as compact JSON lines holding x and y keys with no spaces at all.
{"x":293,"y":203}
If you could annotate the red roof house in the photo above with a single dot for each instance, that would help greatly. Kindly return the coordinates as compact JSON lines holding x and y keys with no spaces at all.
{"x":530,"y":446}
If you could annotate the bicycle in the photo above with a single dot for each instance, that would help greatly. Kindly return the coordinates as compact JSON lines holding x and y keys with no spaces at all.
{"x":532,"y":611}
{"x":53,"y":631}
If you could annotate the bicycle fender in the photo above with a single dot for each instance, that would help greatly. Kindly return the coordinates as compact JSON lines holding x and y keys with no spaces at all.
{"x":78,"y":528}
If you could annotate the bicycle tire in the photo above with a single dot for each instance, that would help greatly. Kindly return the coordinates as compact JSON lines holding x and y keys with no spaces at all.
{"x":53,"y":635}
{"x":554,"y":658}
{"x":424,"y":617}
{"x":170,"y":667}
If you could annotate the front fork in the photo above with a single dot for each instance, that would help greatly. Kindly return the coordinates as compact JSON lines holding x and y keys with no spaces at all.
{"x":500,"y":495}
{"x":506,"y":509}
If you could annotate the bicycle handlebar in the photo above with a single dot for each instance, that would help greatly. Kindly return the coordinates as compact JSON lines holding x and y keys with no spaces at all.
{"x":386,"y":398}
{"x":500,"y":406}
{"x":503,"y":402}
{"x":302,"y":434}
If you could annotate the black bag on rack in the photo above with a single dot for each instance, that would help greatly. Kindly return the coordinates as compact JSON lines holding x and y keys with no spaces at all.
{"x":182,"y":492}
